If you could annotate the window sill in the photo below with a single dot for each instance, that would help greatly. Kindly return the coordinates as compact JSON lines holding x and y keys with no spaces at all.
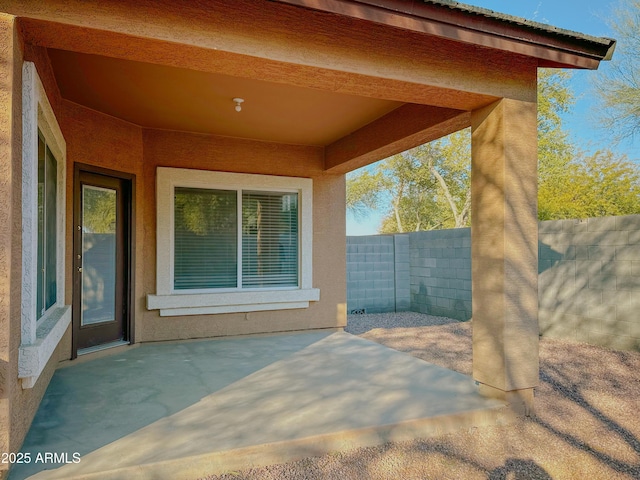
{"x":231,"y":302}
{"x":33,"y":358}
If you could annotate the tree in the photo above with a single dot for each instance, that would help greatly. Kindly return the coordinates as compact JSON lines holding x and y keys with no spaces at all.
{"x":618,"y":86}
{"x":597,"y":185}
{"x":555,"y":151}
{"x":423,"y":188}
{"x":428,"y":187}
{"x":555,"y":98}
{"x":99,"y":210}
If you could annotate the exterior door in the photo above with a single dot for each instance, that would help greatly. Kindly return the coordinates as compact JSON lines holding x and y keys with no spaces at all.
{"x":101,"y":260}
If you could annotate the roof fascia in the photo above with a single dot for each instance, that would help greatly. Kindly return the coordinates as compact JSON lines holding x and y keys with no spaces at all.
{"x":553,"y":47}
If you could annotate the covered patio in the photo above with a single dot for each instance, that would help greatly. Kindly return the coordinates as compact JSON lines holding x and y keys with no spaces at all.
{"x":227,"y":218}
{"x":183,"y":410}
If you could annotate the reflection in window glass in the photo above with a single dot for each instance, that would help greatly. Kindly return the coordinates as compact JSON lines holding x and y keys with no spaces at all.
{"x":47,"y":228}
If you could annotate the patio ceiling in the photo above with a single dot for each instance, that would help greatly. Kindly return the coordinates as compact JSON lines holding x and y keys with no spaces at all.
{"x":171,"y":98}
{"x":362,"y":79}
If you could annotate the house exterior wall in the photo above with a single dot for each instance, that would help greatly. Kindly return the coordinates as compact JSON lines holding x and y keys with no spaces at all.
{"x":20,"y":404}
{"x":203,"y":152}
{"x":103,"y":141}
{"x":295,"y":46}
{"x":10,"y":160}
{"x":17,"y":405}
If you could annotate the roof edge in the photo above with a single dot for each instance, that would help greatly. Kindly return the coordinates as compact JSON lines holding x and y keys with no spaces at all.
{"x":552,"y":46}
{"x":608,"y":44}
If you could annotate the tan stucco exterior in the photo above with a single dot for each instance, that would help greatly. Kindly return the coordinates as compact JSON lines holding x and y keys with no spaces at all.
{"x":442,"y":83}
{"x":10,"y":110}
{"x":241,"y":156}
{"x":504,"y":245}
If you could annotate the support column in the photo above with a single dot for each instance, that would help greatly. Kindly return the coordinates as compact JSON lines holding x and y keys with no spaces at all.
{"x":504,"y":251}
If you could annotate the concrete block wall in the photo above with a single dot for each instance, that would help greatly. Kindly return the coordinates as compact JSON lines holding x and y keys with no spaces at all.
{"x":589,"y":281}
{"x":373,"y":275}
{"x":402,"y":272}
{"x":440,"y":272}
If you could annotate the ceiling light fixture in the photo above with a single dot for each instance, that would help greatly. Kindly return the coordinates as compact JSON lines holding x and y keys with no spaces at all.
{"x":239,"y":102}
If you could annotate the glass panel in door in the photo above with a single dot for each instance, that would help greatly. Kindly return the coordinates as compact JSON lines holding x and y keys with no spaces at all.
{"x":99,"y":212}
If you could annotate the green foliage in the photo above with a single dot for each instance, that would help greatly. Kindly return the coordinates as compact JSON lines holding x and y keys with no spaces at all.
{"x":201,"y":211}
{"x":99,"y":210}
{"x":428,"y":187}
{"x":597,"y":185}
{"x":423,"y":188}
{"x":364,"y":192}
{"x":555,"y":151}
{"x":618,"y":84}
{"x":572,"y":184}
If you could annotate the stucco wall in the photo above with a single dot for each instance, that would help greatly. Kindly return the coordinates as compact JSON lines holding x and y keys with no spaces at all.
{"x":10,"y":154}
{"x":107,"y":142}
{"x":184,"y":150}
{"x":17,"y":405}
{"x":100,"y":140}
{"x":103,"y":141}
{"x":23,"y":402}
{"x":588,"y":281}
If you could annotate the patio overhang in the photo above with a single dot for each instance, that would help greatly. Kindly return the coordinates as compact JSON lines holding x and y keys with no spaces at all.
{"x":315,"y":86}
{"x":328,"y":87}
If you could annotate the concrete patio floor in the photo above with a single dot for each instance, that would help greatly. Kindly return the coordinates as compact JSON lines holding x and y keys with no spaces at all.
{"x":188,"y":409}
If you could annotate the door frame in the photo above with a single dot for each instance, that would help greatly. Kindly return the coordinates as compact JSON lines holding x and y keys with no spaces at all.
{"x":129,"y":196}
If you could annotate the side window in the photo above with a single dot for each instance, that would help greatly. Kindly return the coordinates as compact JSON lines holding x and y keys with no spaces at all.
{"x":46,"y":272}
{"x":44,"y":316}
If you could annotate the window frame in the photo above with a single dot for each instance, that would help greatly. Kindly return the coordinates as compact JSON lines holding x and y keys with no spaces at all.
{"x":173,"y":302}
{"x":40,"y":336}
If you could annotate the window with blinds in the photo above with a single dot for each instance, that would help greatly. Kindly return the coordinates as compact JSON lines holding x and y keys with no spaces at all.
{"x":269,"y":239}
{"x":216,"y":248}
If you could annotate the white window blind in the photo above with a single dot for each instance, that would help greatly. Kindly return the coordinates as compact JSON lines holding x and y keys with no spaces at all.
{"x":269,"y":239}
{"x":208,"y":249}
{"x":206,"y":245}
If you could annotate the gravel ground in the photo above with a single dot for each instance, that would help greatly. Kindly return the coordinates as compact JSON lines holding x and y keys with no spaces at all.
{"x":586,"y":424}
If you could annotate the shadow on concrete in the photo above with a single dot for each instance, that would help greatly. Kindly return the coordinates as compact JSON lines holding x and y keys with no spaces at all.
{"x":92,"y":404}
{"x":192,"y":408}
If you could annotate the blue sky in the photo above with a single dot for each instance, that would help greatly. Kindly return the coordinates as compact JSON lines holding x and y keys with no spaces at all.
{"x":584,"y":16}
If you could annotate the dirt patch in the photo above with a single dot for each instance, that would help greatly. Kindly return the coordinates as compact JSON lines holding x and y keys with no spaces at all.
{"x":587,"y":423}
